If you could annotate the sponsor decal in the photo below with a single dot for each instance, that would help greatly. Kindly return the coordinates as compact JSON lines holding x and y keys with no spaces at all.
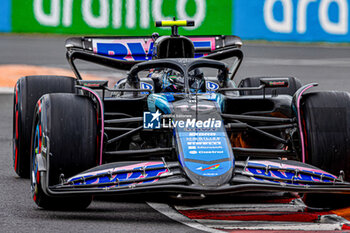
{"x":194,"y":107}
{"x":211,"y":86}
{"x":119,"y":17}
{"x":140,"y":49}
{"x":292,"y":20}
{"x":277,"y":83}
{"x":209,"y":145}
{"x":147,"y":86}
{"x":213,"y":167}
{"x":130,"y":49}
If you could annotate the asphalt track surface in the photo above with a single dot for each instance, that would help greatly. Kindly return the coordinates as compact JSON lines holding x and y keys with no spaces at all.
{"x":327,"y":65}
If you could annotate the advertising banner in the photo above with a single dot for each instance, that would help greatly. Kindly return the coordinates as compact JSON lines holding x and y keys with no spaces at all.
{"x":119,"y":17}
{"x":276,"y":20}
{"x":292,"y":20}
{"x":5,"y":16}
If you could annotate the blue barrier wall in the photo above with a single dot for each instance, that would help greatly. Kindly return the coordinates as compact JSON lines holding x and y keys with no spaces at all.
{"x":5,"y":16}
{"x":292,"y":20}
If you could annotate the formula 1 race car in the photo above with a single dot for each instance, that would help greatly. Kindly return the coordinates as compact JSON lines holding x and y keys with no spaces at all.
{"x":177,"y":124}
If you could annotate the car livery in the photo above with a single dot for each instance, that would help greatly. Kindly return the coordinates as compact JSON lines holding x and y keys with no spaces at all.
{"x":203,"y":136}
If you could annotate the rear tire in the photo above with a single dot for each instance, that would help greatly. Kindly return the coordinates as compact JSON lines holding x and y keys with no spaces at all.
{"x":294,"y":85}
{"x":28,"y":91}
{"x":326,"y":129}
{"x":70,"y":124}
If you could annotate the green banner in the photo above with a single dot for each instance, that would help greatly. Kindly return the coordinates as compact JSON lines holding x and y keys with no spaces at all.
{"x":119,"y":17}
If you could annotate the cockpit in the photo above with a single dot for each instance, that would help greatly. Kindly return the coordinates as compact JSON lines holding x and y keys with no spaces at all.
{"x":178,"y":76}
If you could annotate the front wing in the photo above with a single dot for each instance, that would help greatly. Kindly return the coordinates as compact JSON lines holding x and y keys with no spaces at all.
{"x":168,"y":177}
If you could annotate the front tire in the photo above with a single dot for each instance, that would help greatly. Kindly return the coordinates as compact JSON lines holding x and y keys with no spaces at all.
{"x":28,"y":91}
{"x":326,"y":130}
{"x":65,"y":134}
{"x":326,"y":117}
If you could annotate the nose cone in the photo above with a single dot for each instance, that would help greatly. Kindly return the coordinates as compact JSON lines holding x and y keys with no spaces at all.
{"x":203,"y":146}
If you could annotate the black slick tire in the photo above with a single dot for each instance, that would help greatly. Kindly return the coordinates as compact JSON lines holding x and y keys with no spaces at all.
{"x":65,"y":134}
{"x":28,"y":91}
{"x":326,"y":129}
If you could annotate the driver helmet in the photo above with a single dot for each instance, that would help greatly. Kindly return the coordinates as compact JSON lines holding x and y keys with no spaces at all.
{"x":172,"y":81}
{"x":196,"y":79}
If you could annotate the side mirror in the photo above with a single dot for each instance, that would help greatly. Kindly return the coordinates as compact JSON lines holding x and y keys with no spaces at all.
{"x":274,"y":82}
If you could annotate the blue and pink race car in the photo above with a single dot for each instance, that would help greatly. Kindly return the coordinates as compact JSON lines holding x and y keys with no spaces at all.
{"x":176,"y":124}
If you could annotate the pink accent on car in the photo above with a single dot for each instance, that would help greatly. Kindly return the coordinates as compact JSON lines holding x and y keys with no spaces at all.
{"x":282,"y":165}
{"x":211,"y":39}
{"x":130,"y":167}
{"x":102,"y":119}
{"x":299,"y":122}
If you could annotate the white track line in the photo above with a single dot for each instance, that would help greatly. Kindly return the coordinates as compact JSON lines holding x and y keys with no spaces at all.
{"x":270,"y":225}
{"x":174,"y":215}
{"x":296,"y":207}
{"x":6,"y":90}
